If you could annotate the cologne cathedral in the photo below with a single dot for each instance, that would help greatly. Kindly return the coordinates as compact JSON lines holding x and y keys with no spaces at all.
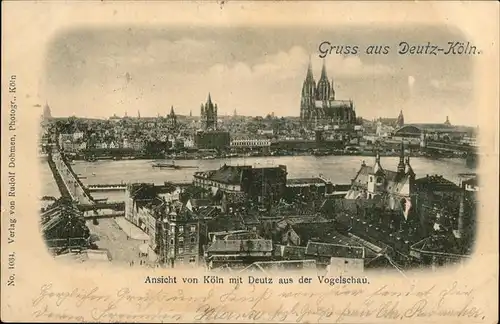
{"x":318,"y":106}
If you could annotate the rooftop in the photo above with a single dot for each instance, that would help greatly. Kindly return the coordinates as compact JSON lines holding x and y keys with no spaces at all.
{"x":200,"y":202}
{"x":436,"y":183}
{"x":230,"y":174}
{"x":242,"y":236}
{"x":249,"y":218}
{"x":335,"y":250}
{"x":440,"y":244}
{"x":290,"y":252}
{"x":438,"y":128}
{"x":305,"y":182}
{"x":224,"y":223}
{"x":471,"y":182}
{"x":394,"y":181}
{"x":325,"y":233}
{"x":254,"y":245}
{"x":378,"y":234}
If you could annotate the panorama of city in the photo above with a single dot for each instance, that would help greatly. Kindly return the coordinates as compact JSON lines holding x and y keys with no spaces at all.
{"x":325,"y":189}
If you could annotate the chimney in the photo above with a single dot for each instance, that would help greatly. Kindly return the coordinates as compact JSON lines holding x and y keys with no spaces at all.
{"x":461,"y":216}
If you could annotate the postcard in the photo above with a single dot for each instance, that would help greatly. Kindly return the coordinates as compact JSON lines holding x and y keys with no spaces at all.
{"x":250,"y":162}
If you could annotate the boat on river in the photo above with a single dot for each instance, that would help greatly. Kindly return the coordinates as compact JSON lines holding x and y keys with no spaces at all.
{"x":172,"y":165}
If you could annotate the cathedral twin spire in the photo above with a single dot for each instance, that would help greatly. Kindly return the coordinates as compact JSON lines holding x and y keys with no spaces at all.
{"x":323,"y":71}
{"x":322,"y":91}
{"x":310,"y":75}
{"x":309,"y":86}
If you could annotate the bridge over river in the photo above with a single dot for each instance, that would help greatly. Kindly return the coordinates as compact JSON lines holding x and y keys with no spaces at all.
{"x":68,"y":183}
{"x":111,"y":205}
{"x":71,"y":187}
{"x":469,"y":152}
{"x":123,"y":186}
{"x":451,"y":147}
{"x":121,"y":239}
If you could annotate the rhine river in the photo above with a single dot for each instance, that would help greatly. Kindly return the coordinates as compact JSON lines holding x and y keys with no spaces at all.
{"x":47,"y":182}
{"x":340,"y":169}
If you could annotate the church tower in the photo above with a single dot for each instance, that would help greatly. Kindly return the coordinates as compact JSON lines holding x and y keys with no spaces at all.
{"x":209,"y":114}
{"x":447,"y":121}
{"x":423,"y":140}
{"x":332,"y":91}
{"x":172,"y":118}
{"x":409,"y":169}
{"x":401,"y":119}
{"x":46,"y":112}
{"x":376,"y":178}
{"x":401,"y":164}
{"x":323,"y":90}
{"x":308,"y":95}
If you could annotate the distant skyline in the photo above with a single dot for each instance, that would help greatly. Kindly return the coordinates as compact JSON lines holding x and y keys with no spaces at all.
{"x":257,"y":71}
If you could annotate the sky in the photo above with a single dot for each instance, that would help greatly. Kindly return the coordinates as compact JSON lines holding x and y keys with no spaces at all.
{"x":255,"y":71}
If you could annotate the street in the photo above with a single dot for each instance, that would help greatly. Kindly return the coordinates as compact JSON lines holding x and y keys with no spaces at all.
{"x":114,"y":239}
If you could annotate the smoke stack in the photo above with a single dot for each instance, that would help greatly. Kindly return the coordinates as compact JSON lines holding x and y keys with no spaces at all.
{"x":461,"y":217}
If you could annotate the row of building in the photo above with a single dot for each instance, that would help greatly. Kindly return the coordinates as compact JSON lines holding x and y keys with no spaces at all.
{"x":183,"y":225}
{"x":70,"y":145}
{"x":244,"y":215}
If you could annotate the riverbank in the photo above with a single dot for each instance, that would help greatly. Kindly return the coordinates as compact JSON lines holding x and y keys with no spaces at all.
{"x":339,"y":169}
{"x":214,"y":155}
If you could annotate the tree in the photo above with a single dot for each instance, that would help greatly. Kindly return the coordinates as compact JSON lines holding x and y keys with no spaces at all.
{"x":193,"y":192}
{"x":169,"y":187}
